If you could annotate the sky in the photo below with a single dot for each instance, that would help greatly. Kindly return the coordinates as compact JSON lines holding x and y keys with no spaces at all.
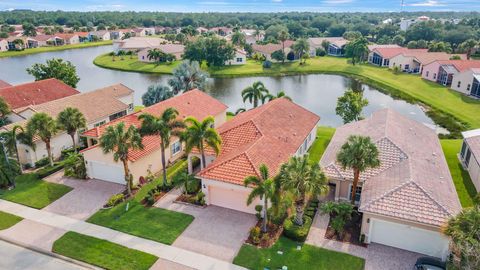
{"x":244,"y":5}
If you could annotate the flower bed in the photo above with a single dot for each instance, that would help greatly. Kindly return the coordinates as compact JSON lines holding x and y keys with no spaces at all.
{"x":196,"y":199}
{"x":351,"y":233}
{"x":264,"y":240}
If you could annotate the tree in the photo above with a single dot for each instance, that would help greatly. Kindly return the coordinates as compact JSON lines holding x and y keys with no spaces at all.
{"x":29,"y":30}
{"x":283,"y":36}
{"x":469,"y":47}
{"x":358,"y":153}
{"x":119,"y":141}
{"x":357,"y":49}
{"x":262,"y":187}
{"x":154,"y":54}
{"x":399,"y":40}
{"x":184,"y":180}
{"x":155,"y":94}
{"x":269,"y":97}
{"x":165,"y":126}
{"x":9,"y":169}
{"x":213,"y":50}
{"x":336,"y":30}
{"x":302,"y":179}
{"x":464,"y":230}
{"x":238,"y":38}
{"x":10,"y":138}
{"x":254,"y":93}
{"x":55,"y":68}
{"x":278,"y":55}
{"x":350,"y":106}
{"x":71,"y":120}
{"x":200,"y":134}
{"x":4,"y":112}
{"x":188,"y":76}
{"x":43,"y":126}
{"x":301,"y":48}
{"x":352,"y":35}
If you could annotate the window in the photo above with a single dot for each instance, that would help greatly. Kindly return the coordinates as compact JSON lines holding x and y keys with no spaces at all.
{"x":427,"y":73}
{"x":434,"y":76}
{"x":357,"y":193}
{"x":458,"y":84}
{"x":239,"y":60}
{"x":117,"y":115}
{"x":176,"y":147}
{"x":467,"y":157}
{"x":468,"y":87}
{"x":130,"y":106}
{"x":407,"y":67}
{"x":99,"y":123}
{"x":462,"y":152}
{"x":143,"y":57}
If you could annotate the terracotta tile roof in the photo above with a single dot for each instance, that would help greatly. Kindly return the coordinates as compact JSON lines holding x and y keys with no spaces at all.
{"x":140,"y":42}
{"x":4,"y":84}
{"x":337,"y":41}
{"x":428,"y":57}
{"x":65,"y":35}
{"x":372,"y":47}
{"x":271,"y":47}
{"x":81,"y":34}
{"x":44,"y":37}
{"x":35,"y":93}
{"x":391,"y":52}
{"x":461,"y":65}
{"x":413,"y":181}
{"x":168,"y":48}
{"x":269,"y":134}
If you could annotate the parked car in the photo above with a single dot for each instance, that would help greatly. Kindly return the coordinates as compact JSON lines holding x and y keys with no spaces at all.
{"x":429,"y":263}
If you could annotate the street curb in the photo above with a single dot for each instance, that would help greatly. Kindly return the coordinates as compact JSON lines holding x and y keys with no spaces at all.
{"x":49,"y":253}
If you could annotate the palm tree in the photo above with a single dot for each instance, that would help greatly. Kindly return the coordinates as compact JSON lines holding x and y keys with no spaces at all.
{"x":269,"y":97}
{"x":163,"y":126}
{"x":301,"y":48}
{"x":254,"y":93}
{"x":119,"y":141}
{"x":45,"y":127}
{"x":11,"y":142}
{"x":302,"y":179}
{"x":283,"y":36}
{"x":238,"y":38}
{"x":71,"y":120}
{"x":201,"y":134}
{"x":4,"y":111}
{"x":469,"y":46}
{"x":187,"y":76}
{"x":262,"y":187}
{"x":358,"y":153}
{"x":153,"y":54}
{"x":239,"y":111}
{"x":183,"y":179}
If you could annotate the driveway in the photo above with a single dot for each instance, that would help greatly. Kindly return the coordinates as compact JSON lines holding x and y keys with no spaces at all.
{"x":216,"y":232}
{"x":86,"y":198}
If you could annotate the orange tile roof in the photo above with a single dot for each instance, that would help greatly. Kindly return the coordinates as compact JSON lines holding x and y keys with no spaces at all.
{"x":389,"y":52}
{"x":271,"y":47}
{"x":35,"y":93}
{"x":269,"y":134}
{"x":4,"y":84}
{"x":461,"y":65}
{"x":428,"y":57}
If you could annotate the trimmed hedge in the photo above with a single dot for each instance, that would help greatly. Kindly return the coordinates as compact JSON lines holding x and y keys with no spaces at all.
{"x":49,"y":170}
{"x":295,"y":232}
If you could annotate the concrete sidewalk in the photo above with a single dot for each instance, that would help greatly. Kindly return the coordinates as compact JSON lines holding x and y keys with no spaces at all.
{"x":170,"y":253}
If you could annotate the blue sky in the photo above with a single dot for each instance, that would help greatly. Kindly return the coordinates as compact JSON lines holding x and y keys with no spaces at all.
{"x":243,"y":5}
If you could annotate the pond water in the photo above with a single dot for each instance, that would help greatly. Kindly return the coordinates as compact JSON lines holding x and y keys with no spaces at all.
{"x":317,"y":93}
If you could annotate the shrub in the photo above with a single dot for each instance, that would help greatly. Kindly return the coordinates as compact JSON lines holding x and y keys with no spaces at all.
{"x":295,"y":232}
{"x":75,"y":166}
{"x":255,"y":235}
{"x":310,"y":213}
{"x":338,"y":225}
{"x":115,"y":200}
{"x":320,"y":52}
{"x":267,"y":64}
{"x":258,"y":208}
{"x":200,"y":198}
{"x":42,"y":162}
{"x":396,"y":70}
{"x":149,"y":199}
{"x":48,"y":170}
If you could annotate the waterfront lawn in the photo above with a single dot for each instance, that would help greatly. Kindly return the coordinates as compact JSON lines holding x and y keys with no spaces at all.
{"x":309,"y":257}
{"x":132,"y":64}
{"x":465,"y":189}
{"x":34,"y":192}
{"x":54,"y":48}
{"x":102,"y":253}
{"x":8,"y":220}
{"x":324,"y":135}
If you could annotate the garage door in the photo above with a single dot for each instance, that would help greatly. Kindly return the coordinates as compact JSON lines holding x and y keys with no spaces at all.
{"x":409,"y":238}
{"x":229,"y":198}
{"x":106,"y":172}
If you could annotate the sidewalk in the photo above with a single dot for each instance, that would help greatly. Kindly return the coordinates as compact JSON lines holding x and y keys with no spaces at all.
{"x":170,"y":253}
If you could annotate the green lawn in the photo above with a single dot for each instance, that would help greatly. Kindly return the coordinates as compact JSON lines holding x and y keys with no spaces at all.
{"x":54,"y":48}
{"x":465,"y":188}
{"x":8,"y":220}
{"x":132,"y":64}
{"x":102,"y":253}
{"x":34,"y":192}
{"x":309,"y":257}
{"x":324,"y":135}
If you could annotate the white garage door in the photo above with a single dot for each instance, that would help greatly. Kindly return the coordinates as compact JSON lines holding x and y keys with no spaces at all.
{"x":106,"y":172}
{"x":409,"y":238}
{"x":229,"y":198}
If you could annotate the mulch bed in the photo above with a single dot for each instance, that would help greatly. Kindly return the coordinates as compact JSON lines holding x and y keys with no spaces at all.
{"x":351,"y":233}
{"x":274,"y":232}
{"x":189,"y":199}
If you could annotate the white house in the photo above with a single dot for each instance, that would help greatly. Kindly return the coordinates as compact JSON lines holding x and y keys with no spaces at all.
{"x":240,"y":58}
{"x":470,"y":155}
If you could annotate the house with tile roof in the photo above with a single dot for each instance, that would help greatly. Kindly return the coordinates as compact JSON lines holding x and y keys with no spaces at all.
{"x":240,"y":58}
{"x":3,"y":45}
{"x":380,"y":55}
{"x":269,"y":134}
{"x":336,"y":45}
{"x":413,"y":60}
{"x":138,"y":43}
{"x":98,"y":106}
{"x":407,"y":199}
{"x":467,"y":82}
{"x":175,"y":49}
{"x":470,"y":155}
{"x":267,"y":49}
{"x":102,"y":166}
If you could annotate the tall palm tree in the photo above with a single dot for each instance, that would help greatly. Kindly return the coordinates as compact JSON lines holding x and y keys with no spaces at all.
{"x":187,"y":76}
{"x":11,"y":142}
{"x":269,"y":97}
{"x":301,"y":48}
{"x":71,"y":120}
{"x":153,"y":54}
{"x":262,"y":187}
{"x":358,"y":153}
{"x":302,"y":179}
{"x":119,"y":141}
{"x":254,"y":93}
{"x":200,"y":135}
{"x":163,"y":126}
{"x":45,"y":127}
{"x":283,"y":36}
{"x":238,"y":38}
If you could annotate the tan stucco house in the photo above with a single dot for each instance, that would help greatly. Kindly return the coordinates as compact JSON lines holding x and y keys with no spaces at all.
{"x":410,"y":196}
{"x":102,"y":166}
{"x":470,"y":155}
{"x":176,"y":50}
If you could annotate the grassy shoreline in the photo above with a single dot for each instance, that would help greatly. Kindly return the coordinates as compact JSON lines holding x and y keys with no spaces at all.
{"x":54,"y":48}
{"x":450,"y":109}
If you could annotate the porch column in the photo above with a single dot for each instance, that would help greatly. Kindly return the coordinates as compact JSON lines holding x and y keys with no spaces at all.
{"x":189,"y":160}
{"x":337,"y":190}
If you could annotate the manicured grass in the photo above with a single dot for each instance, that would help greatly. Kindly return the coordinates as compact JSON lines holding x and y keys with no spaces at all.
{"x":54,"y":48}
{"x":465,"y":189}
{"x":324,"y":135}
{"x":132,"y":64}
{"x":309,"y":257}
{"x":8,"y":220}
{"x":102,"y":253}
{"x":138,"y":108}
{"x":407,"y":86}
{"x":34,"y":192}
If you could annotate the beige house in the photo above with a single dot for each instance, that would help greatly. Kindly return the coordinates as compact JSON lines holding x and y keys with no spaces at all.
{"x":240,"y":58}
{"x":175,"y":49}
{"x":98,"y":106}
{"x":335,"y":47}
{"x":407,"y":199}
{"x":102,"y":166}
{"x":413,"y":60}
{"x":270,"y":135}
{"x":470,"y":155}
{"x":136,"y":44}
{"x":267,"y":49}
{"x":467,"y":82}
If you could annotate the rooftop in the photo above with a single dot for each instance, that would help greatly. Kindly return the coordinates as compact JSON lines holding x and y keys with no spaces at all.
{"x":4,"y":84}
{"x":461,"y":65}
{"x":337,"y":41}
{"x":169,"y":48}
{"x":141,"y":42}
{"x":472,"y":137}
{"x":271,"y":47}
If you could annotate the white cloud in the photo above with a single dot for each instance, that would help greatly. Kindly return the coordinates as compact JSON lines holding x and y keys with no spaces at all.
{"x":428,"y":3}
{"x":337,"y":2}
{"x":277,"y":1}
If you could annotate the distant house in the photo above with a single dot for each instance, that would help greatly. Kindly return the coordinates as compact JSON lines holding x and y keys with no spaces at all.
{"x":49,"y":40}
{"x":118,"y":33}
{"x":222,"y":31}
{"x":139,"y":32}
{"x":202,"y":30}
{"x":137,"y":43}
{"x":444,"y":71}
{"x":175,"y":49}
{"x":336,"y":45}
{"x":240,"y":58}
{"x":470,"y":155}
{"x":380,"y":55}
{"x":251,"y":36}
{"x":82,"y":36}
{"x":3,"y":45}
{"x":267,"y":49}
{"x":467,"y":82}
{"x":26,"y":42}
{"x":413,"y":60}
{"x":99,"y":35}
{"x":69,"y":39}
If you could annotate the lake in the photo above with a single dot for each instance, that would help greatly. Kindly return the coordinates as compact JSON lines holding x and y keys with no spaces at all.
{"x":317,"y":92}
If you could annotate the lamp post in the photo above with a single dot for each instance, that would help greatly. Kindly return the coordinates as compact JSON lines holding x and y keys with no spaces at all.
{"x":2,"y":141}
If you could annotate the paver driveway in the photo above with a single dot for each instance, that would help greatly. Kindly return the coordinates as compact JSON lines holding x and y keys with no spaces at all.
{"x":216,"y":232}
{"x":86,"y":198}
